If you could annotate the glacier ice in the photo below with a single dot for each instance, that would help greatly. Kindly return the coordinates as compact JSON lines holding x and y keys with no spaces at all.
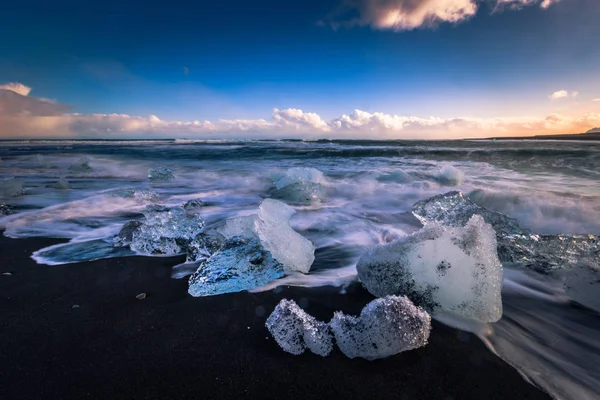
{"x":241,"y":264}
{"x":271,"y":225}
{"x":543,"y":253}
{"x":165,"y":230}
{"x":442,"y":269}
{"x":11,"y":187}
{"x":125,"y":235}
{"x":204,"y":245}
{"x":295,"y":330}
{"x":582,"y":284}
{"x":81,"y":166}
{"x":193,"y":205}
{"x":160,"y":173}
{"x":299,"y":185}
{"x":5,"y":209}
{"x":61,"y":184}
{"x":454,"y":209}
{"x":385,"y":326}
{"x":142,"y":195}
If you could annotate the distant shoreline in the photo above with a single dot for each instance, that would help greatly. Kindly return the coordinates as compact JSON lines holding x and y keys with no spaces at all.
{"x":570,"y":136}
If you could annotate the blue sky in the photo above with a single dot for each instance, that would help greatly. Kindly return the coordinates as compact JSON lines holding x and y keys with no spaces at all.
{"x":238,"y":60}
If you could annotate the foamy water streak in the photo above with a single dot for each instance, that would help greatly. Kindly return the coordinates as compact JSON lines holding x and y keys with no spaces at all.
{"x":367,"y":190}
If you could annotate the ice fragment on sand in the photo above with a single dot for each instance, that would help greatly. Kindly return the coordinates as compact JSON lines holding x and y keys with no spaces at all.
{"x":583,"y":284}
{"x":6,"y":274}
{"x":299,"y":185}
{"x":141,"y":296}
{"x":142,"y":195}
{"x":543,"y":253}
{"x":441,"y":269}
{"x":385,"y":327}
{"x":241,"y":264}
{"x":295,"y":331}
{"x":11,"y":187}
{"x":81,"y":166}
{"x":165,"y":230}
{"x":272,"y":227}
{"x":160,"y":173}
{"x":61,"y":184}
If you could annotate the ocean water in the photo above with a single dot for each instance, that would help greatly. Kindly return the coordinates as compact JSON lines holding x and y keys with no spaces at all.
{"x":366,"y":193}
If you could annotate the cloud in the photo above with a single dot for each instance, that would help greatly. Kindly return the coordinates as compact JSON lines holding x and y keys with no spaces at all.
{"x":597,"y":100}
{"x":18,"y":88}
{"x":186,"y":70}
{"x":401,"y":15}
{"x":562,"y":94}
{"x":30,"y":117}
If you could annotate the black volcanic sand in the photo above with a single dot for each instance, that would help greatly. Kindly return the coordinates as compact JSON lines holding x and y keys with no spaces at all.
{"x":173,"y":346}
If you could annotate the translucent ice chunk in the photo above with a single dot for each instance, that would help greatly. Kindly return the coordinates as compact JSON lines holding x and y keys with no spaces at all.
{"x":583,"y":284}
{"x":61,"y":184}
{"x":272,"y":227}
{"x":74,"y":252}
{"x":11,"y":187}
{"x":125,"y":235}
{"x":454,"y":209}
{"x":543,"y":253}
{"x":193,"y":205}
{"x":81,"y":166}
{"x":385,"y":327}
{"x":299,"y":185}
{"x":203,"y":246}
{"x":295,"y":331}
{"x":160,"y":173}
{"x":293,"y":250}
{"x":440,"y":268}
{"x":141,"y":195}
{"x":241,"y":264}
{"x":5,"y":209}
{"x":165,"y":231}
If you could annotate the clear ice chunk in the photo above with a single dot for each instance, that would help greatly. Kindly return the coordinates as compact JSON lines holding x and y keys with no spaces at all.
{"x":272,"y":227}
{"x":203,"y":246}
{"x":582,"y":284}
{"x":165,"y":230}
{"x":193,"y":205}
{"x":11,"y":187}
{"x":299,"y":185}
{"x":61,"y":184}
{"x":543,"y":253}
{"x":74,"y":252}
{"x":142,"y":195}
{"x":442,"y":269}
{"x":125,"y":235}
{"x":295,"y":331}
{"x":5,"y":209}
{"x":241,"y":264}
{"x":160,"y":173}
{"x":81,"y":166}
{"x":385,"y":327}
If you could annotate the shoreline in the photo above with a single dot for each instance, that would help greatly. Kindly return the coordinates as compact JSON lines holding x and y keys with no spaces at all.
{"x":171,"y":345}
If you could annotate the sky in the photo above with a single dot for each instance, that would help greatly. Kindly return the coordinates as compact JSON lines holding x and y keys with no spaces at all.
{"x":363,"y":69}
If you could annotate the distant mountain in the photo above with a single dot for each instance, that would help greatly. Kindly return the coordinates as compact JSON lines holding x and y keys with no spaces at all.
{"x":594,"y":130}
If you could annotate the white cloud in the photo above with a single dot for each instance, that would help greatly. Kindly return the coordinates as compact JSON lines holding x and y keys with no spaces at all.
{"x":559,"y":94}
{"x":29,"y":117}
{"x":598,"y":100}
{"x":400,"y":15}
{"x":18,"y":88}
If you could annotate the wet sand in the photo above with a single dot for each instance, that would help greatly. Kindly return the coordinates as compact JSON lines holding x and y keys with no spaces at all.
{"x":173,"y":346}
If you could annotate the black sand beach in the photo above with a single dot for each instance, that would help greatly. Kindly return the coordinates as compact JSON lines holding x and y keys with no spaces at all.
{"x":172,"y":346}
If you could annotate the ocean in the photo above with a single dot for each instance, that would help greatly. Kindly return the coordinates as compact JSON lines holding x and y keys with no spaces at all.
{"x":360,"y":195}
